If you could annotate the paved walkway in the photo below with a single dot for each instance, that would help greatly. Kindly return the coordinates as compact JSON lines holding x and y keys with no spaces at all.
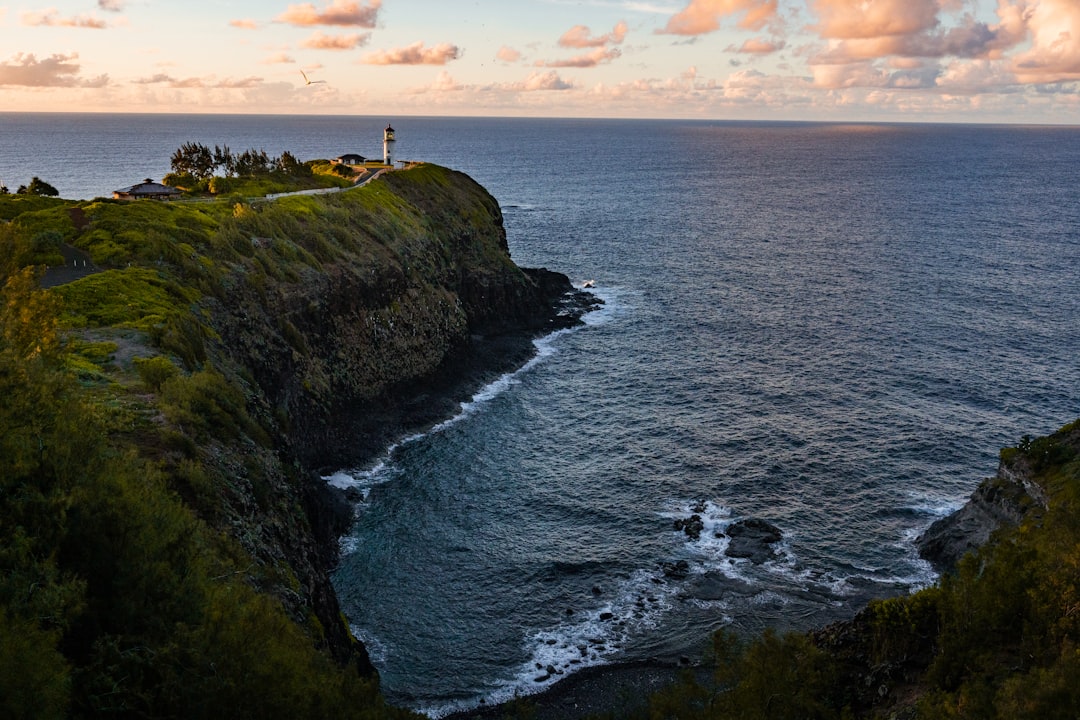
{"x":77,"y":264}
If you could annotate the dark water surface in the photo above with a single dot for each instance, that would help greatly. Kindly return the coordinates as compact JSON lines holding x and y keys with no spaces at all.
{"x":830,"y":327}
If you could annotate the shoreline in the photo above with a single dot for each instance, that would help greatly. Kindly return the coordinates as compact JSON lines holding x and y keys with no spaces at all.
{"x":418,"y":407}
{"x":616,"y":689}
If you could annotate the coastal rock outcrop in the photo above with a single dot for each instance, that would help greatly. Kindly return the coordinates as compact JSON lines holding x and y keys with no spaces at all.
{"x":753,"y":539}
{"x":1002,"y":500}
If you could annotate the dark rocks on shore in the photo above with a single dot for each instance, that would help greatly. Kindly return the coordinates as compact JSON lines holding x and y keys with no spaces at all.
{"x":676,"y":570}
{"x":692,"y":526}
{"x":753,"y":539}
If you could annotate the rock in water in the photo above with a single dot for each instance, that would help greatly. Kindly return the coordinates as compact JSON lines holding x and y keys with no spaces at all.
{"x":753,"y":539}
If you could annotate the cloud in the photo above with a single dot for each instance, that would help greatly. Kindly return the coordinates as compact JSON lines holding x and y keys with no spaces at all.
{"x":972,"y":78}
{"x":197,"y":82}
{"x":1054,"y":55}
{"x":111,"y":5}
{"x":541,"y":81}
{"x":578,"y":37}
{"x":508,"y":54}
{"x":54,"y":71}
{"x":244,"y":24}
{"x":415,"y":54}
{"x":839,"y":76}
{"x":909,"y":28}
{"x":598,"y":56}
{"x":446,"y":83}
{"x":844,"y":19}
{"x":338,"y":12}
{"x":52,"y":18}
{"x":535,"y":82}
{"x":704,"y":16}
{"x":759,"y":46}
{"x":320,"y":41}
{"x":869,"y":42}
{"x":248,"y":82}
{"x":279,"y":59}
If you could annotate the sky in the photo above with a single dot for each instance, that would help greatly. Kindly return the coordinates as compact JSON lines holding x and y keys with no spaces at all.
{"x":1015,"y":61}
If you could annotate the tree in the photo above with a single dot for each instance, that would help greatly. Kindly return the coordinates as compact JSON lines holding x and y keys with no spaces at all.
{"x":193,"y":159}
{"x":289,"y":165}
{"x":223,"y":158}
{"x":253,"y":162}
{"x":37,"y":187}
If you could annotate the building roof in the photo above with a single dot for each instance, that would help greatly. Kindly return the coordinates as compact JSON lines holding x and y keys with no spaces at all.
{"x":147,"y":188}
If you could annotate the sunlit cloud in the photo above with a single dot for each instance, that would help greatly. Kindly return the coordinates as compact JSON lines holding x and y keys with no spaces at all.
{"x":538,"y":81}
{"x":244,"y":24}
{"x":198,"y":82}
{"x":705,"y":16}
{"x":579,"y":37}
{"x":446,"y":83}
{"x":54,"y":71}
{"x":867,"y":45}
{"x":1054,"y":55}
{"x":155,"y":79}
{"x":847,"y":19}
{"x":52,"y":18}
{"x":759,"y":46}
{"x":970,"y":78}
{"x":248,"y":82}
{"x":534,"y":82}
{"x":415,"y":54}
{"x":507,"y":55}
{"x":338,"y":12}
{"x":860,"y":74}
{"x":279,"y":59}
{"x":321,"y":41}
{"x":598,"y":56}
{"x":911,"y":28}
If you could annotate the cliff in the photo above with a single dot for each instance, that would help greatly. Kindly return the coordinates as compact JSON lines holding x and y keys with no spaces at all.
{"x":216,"y":358}
{"x":1001,"y":501}
{"x":415,"y":306}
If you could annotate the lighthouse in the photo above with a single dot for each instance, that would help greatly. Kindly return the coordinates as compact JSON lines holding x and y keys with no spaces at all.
{"x":388,"y":145}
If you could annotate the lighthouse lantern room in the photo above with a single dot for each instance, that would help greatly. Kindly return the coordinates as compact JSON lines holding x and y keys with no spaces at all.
{"x":388,"y":145}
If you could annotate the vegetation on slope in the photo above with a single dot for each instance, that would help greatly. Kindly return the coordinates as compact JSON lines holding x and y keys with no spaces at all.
{"x":116,"y":598}
{"x":996,"y":639}
{"x":197,"y":170}
{"x":157,"y":552}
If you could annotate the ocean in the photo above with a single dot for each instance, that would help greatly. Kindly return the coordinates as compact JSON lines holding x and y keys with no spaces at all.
{"x":830,"y":327}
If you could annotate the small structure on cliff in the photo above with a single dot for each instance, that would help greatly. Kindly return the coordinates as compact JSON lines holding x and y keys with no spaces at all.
{"x":350,"y":159}
{"x":146,"y":190}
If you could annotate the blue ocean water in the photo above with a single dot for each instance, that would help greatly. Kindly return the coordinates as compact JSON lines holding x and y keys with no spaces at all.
{"x":830,"y":327}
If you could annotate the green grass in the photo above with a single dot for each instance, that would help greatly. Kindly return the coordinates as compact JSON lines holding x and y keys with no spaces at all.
{"x":135,"y":297}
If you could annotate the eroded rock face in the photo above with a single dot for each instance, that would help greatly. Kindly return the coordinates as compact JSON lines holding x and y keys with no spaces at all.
{"x":420,"y":306}
{"x":998,"y":501}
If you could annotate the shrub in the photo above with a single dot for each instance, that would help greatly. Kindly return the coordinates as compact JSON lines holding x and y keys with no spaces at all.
{"x":155,"y":370}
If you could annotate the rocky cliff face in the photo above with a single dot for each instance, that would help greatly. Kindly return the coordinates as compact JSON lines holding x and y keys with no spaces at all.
{"x":413,"y":306}
{"x":1002,"y":500}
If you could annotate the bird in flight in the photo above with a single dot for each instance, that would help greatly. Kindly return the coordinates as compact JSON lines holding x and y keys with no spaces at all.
{"x":310,"y":82}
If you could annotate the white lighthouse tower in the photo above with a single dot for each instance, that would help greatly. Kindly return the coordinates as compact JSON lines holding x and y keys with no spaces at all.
{"x":388,"y":146}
